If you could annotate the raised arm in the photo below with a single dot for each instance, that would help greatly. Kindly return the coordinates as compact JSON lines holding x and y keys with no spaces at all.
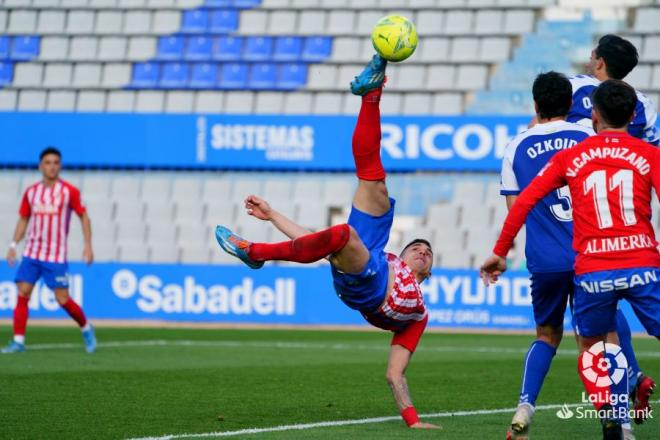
{"x":259,"y":208}
{"x":19,"y":233}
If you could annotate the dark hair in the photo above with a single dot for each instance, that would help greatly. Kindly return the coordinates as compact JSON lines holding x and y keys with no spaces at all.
{"x":553,"y":94}
{"x":414,"y":242}
{"x":619,"y":54}
{"x":615,"y":101}
{"x":49,"y":150}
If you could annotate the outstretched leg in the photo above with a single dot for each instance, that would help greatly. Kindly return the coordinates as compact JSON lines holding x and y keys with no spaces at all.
{"x":371,"y":196}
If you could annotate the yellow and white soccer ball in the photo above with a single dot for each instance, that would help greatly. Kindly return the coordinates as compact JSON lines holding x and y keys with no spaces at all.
{"x":394,"y":37}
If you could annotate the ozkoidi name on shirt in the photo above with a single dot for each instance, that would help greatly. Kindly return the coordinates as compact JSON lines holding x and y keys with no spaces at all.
{"x":549,"y":145}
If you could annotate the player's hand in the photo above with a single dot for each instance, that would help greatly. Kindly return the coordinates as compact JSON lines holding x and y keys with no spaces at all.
{"x":492,"y":268}
{"x":11,"y":257}
{"x":88,"y":254}
{"x":258,"y":207}
{"x":423,"y":425}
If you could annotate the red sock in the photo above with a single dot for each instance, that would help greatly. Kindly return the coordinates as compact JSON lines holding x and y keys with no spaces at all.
{"x":305,"y":249}
{"x":75,"y":312}
{"x":366,"y":139}
{"x":592,"y":389}
{"x":20,"y":315}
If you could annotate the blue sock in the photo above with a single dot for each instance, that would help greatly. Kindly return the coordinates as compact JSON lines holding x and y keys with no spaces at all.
{"x":536,"y":366}
{"x":625,"y":342}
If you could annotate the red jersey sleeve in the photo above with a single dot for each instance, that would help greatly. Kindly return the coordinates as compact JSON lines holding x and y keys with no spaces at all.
{"x":75,"y":201}
{"x":549,"y":178}
{"x":24,"y":210}
{"x":409,"y":337}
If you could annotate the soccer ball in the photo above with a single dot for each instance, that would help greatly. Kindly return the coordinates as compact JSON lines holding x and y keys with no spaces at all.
{"x":394,"y":37}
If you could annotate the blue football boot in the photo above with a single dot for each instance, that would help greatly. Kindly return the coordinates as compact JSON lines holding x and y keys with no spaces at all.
{"x":90,"y":339}
{"x":236,"y":246}
{"x":13,"y":347}
{"x":371,"y":78}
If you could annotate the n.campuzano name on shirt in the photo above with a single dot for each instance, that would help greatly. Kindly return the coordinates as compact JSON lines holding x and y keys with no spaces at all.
{"x":622,"y":153}
{"x":627,"y":243}
{"x":280,"y":142}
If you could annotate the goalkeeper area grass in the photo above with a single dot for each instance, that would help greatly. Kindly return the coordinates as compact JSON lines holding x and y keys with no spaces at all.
{"x":281,"y":384}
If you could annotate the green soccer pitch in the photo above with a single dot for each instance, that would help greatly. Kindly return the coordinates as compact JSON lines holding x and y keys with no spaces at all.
{"x":171,"y":382}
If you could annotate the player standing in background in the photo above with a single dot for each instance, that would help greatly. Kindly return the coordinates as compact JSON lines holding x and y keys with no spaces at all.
{"x":613,"y":58}
{"x":611,"y":177}
{"x":45,"y":213}
{"x":383,"y":287}
{"x":550,"y":257}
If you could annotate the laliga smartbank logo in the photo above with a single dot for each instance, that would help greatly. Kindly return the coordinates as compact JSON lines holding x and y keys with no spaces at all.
{"x":153,"y":295}
{"x":604,"y":365}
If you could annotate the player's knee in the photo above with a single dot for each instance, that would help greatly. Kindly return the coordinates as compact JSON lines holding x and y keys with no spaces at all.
{"x":61,"y":297}
{"x":550,"y":334}
{"x":393,"y":377}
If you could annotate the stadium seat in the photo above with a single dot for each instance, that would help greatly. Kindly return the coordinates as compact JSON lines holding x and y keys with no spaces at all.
{"x":158,"y":211}
{"x":340,"y":23}
{"x":51,"y":22}
{"x":252,"y":22}
{"x":86,"y":75}
{"x":204,"y":76}
{"x":218,"y":3}
{"x":156,"y":188}
{"x":133,"y":253}
{"x":145,"y":75}
{"x":245,"y":4}
{"x":109,"y":22}
{"x":291,"y":76}
{"x":161,"y":232}
{"x":269,"y":103}
{"x":224,"y":21}
{"x":8,"y":98}
{"x":195,"y":255}
{"x":28,"y":75}
{"x":4,"y":47}
{"x":137,"y":22}
{"x":240,"y":102}
{"x":464,"y":49}
{"x":433,"y":50}
{"x":83,"y":49}
{"x":327,"y":103}
{"x":213,"y":188}
{"x":447,"y":104}
{"x":166,"y":22}
{"x":433,"y":22}
{"x":24,"y":48}
{"x":488,"y":22}
{"x":262,"y":76}
{"x":141,"y":48}
{"x":209,"y":102}
{"x":316,"y":49}
{"x":440,"y":77}
{"x":233,"y":76}
{"x":227,"y":48}
{"x":174,"y":76}
{"x":112,"y":49}
{"x":6,"y":72}
{"x":149,"y":101}
{"x":287,"y":49}
{"x":22,"y":22}
{"x":170,"y":48}
{"x":198,"y":48}
{"x":258,"y":48}
{"x":179,"y":101}
{"x":281,"y":22}
{"x":311,"y":22}
{"x":195,"y":21}
{"x":121,"y":101}
{"x":61,"y":101}
{"x":646,"y":20}
{"x":57,"y":75}
{"x":54,"y":48}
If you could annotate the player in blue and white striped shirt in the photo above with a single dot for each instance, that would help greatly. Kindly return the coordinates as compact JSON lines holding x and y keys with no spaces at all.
{"x":613,"y":58}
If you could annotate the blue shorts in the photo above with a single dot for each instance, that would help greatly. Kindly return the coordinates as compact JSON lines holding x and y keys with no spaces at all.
{"x":55,"y":275}
{"x":550,"y":294}
{"x":366,"y":291}
{"x":597,"y":295}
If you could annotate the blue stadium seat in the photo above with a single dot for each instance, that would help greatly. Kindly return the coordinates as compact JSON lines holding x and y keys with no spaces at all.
{"x":195,"y":22}
{"x":317,"y":48}
{"x":217,"y":3}
{"x":258,"y":48}
{"x":198,"y":48}
{"x":170,"y":48}
{"x":224,"y":21}
{"x":6,"y":73}
{"x":25,"y":48}
{"x":291,"y":76}
{"x":204,"y":76}
{"x":174,"y":76}
{"x":287,"y":49}
{"x":234,"y":76}
{"x":4,"y":47}
{"x":145,"y":75}
{"x":227,"y":48}
{"x":245,"y":4}
{"x":262,"y":76}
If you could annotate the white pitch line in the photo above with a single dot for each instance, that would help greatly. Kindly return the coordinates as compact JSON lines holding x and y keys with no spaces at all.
{"x":327,"y":424}
{"x":304,"y":346}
